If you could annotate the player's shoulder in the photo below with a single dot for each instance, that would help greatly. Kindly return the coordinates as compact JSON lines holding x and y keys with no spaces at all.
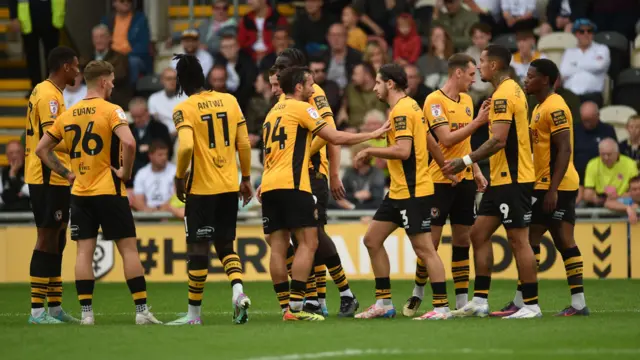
{"x":318,"y":91}
{"x":408,"y":105}
{"x":435,"y":96}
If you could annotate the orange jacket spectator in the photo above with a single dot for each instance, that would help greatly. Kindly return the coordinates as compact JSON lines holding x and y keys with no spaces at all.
{"x":407,"y":44}
{"x":248,"y":32}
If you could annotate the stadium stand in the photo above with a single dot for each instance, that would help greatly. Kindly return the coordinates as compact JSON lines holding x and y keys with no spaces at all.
{"x":617,"y":116}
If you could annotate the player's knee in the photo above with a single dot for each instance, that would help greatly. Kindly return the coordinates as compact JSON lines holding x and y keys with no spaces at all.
{"x":198,"y":249}
{"x":223,"y":248}
{"x":371,"y":242}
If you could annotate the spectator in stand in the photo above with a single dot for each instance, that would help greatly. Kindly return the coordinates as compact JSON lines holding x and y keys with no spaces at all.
{"x":211,"y":30}
{"x":256,"y":29}
{"x":363,"y":183}
{"x":378,"y":16}
{"x":131,"y":37}
{"x":217,"y":79}
{"x":75,"y":93}
{"x":161,"y":103}
{"x":607,"y":176}
{"x":359,"y":98}
{"x":434,"y":64}
{"x":373,"y":119}
{"x":122,"y":91}
{"x":14,"y":194}
{"x":616,"y":15}
{"x":489,"y":13}
{"x":36,"y":20}
{"x":480,"y":36}
{"x":627,"y":204}
{"x":311,"y":26}
{"x":561,"y":15}
{"x":280,"y":41}
{"x":356,"y":37}
{"x":416,"y":89}
{"x":584,"y":68}
{"x":456,"y":20}
{"x":587,"y":135}
{"x":407,"y":44}
{"x":519,"y":15}
{"x":376,"y":55}
{"x":631,"y":146}
{"x":340,"y":58}
{"x":190,"y":42}
{"x":145,"y":131}
{"x":258,"y":108}
{"x":526,"y":53}
{"x":241,"y":69}
{"x":153,"y":184}
{"x":318,"y":69}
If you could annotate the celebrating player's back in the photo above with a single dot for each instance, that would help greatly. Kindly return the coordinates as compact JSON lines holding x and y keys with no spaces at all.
{"x":94,"y":131}
{"x":211,"y":128}
{"x":288,"y":205}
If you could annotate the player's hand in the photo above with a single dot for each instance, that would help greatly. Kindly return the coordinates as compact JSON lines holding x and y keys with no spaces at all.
{"x":382,"y":129}
{"x":481,"y":182}
{"x":259,"y":194}
{"x":550,"y":201}
{"x":452,"y":167}
{"x":483,"y":114}
{"x":121,"y":174}
{"x":337,"y":189}
{"x":362,"y":156}
{"x":632,"y":214}
{"x":71,"y":177}
{"x":180,"y":189}
{"x":246,"y":192}
{"x":453,"y":178}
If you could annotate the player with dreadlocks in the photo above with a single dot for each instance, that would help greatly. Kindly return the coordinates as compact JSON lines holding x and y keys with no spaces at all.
{"x":210,"y":128}
{"x":319,"y":169}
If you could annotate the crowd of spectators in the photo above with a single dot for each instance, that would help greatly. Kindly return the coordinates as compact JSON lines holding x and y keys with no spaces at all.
{"x":346,"y":43}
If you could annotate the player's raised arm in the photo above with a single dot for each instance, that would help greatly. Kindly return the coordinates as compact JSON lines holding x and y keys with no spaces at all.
{"x":344,"y":138}
{"x":45,"y":151}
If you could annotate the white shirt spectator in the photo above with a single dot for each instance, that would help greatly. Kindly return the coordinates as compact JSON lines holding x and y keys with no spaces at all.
{"x":206,"y":61}
{"x":584,"y":72}
{"x":161,"y":108}
{"x":518,"y":8}
{"x":157,"y":187}
{"x":72,"y":97}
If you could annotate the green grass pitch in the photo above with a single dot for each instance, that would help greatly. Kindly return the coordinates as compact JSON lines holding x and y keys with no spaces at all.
{"x":611,"y":332}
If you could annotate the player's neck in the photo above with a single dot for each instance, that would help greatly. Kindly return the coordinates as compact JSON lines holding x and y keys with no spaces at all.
{"x":94,"y":93}
{"x":498,"y":78}
{"x":543,"y":95}
{"x":451,"y":90}
{"x":57,"y":80}
{"x":394,"y":97}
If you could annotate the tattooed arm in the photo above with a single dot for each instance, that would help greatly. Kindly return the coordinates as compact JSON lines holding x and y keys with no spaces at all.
{"x":44,"y":150}
{"x":497,"y":142}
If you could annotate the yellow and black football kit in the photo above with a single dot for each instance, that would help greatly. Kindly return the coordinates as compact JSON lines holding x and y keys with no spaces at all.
{"x":49,"y":192}
{"x":512,"y":174}
{"x":456,"y":202}
{"x":98,"y":196}
{"x":548,"y":119}
{"x":318,"y":163}
{"x":408,"y":203}
{"x":212,"y":125}
{"x":287,"y":202}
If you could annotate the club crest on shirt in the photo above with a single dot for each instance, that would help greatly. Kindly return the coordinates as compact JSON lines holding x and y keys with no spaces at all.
{"x":468,"y":110}
{"x":436,"y":110}
{"x":53,"y":107}
{"x":537,"y":117}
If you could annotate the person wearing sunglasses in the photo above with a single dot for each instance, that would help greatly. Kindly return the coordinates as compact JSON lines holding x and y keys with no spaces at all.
{"x":585,"y":67}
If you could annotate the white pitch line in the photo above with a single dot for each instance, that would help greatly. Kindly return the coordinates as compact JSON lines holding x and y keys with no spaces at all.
{"x":461,"y":351}
{"x":260,"y":312}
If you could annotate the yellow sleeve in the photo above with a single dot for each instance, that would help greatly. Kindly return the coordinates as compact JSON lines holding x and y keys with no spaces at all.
{"x":118,"y":118}
{"x":244,"y":148}
{"x":312,"y":121}
{"x":48,"y":108}
{"x":55,"y":130}
{"x":185,"y":150}
{"x":501,"y":109}
{"x":435,"y":113}
{"x":179,"y":119}
{"x":558,"y":121}
{"x":319,"y":100}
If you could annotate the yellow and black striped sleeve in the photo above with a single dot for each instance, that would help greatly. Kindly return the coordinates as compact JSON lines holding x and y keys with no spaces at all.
{"x":55,"y":131}
{"x":501,"y":110}
{"x":558,"y":121}
{"x":402,"y":127}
